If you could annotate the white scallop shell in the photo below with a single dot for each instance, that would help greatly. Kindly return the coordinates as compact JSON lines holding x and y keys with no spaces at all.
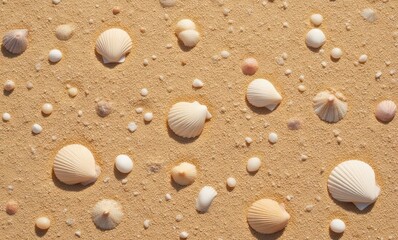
{"x":184,"y":174}
{"x":205,"y":197}
{"x":330,"y":106}
{"x":107,"y":214}
{"x":113,"y":45}
{"x":188,"y":119}
{"x":267,"y":216}
{"x":16,"y":41}
{"x":386,"y":110}
{"x":261,"y":93}
{"x":75,"y":164}
{"x":354,"y":181}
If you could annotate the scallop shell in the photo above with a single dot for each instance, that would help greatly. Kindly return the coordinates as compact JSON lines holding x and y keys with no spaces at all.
{"x":75,"y":164}
{"x":354,"y":181}
{"x":385,"y":111}
{"x":261,"y":93}
{"x":184,"y":174}
{"x":330,"y":106}
{"x":107,"y":214}
{"x":205,"y":198}
{"x":113,"y":45}
{"x":16,"y":41}
{"x":188,"y":119}
{"x":267,"y":216}
{"x":64,"y":32}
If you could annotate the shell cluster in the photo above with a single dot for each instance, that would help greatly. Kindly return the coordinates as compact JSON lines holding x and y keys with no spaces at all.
{"x":187,"y":33}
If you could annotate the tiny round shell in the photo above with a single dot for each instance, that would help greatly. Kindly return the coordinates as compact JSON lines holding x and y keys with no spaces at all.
{"x":36,"y":128}
{"x":9,"y":86}
{"x":337,"y":225}
{"x":184,"y":173}
{"x":189,"y":37}
{"x":231,"y":182}
{"x":43,"y":223}
{"x":385,"y":111}
{"x":16,"y":41}
{"x":315,"y":38}
{"x":55,"y":55}
{"x":336,"y":53}
{"x":253,"y":164}
{"x":123,"y":163}
{"x":107,"y":214}
{"x":249,"y":66}
{"x":47,"y":108}
{"x":64,"y":32}
{"x":316,"y":19}
{"x":185,"y":24}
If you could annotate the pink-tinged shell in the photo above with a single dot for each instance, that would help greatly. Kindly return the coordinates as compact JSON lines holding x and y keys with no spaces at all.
{"x":249,"y":66}
{"x":16,"y":41}
{"x":385,"y":111}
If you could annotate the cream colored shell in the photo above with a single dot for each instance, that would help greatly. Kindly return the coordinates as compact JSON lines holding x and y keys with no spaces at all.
{"x":330,"y":106}
{"x":107,"y":214}
{"x":113,"y":45}
{"x":354,"y":181}
{"x":188,"y":119}
{"x":75,"y":164}
{"x":267,"y":216}
{"x":16,"y":41}
{"x":64,"y":32}
{"x":184,"y":173}
{"x":261,"y":93}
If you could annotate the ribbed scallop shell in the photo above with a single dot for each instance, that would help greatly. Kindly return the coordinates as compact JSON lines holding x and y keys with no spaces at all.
{"x":107,"y":214}
{"x":16,"y":41}
{"x":267,"y":216}
{"x":261,"y":93}
{"x":113,"y":45}
{"x":385,"y":111}
{"x":330,"y":106}
{"x":354,"y":181}
{"x":188,"y":119}
{"x":75,"y":164}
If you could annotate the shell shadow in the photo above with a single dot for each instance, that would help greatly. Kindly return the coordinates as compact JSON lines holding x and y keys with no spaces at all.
{"x":259,"y":110}
{"x":348,"y":206}
{"x":177,"y":186}
{"x":261,"y":236}
{"x":7,"y":54}
{"x":315,"y":50}
{"x":384,"y":122}
{"x":69,"y":188}
{"x":40,"y":232}
{"x":108,"y":65}
{"x":335,"y":236}
{"x":183,"y":47}
{"x":119,"y":175}
{"x":334,"y":59}
{"x":7,"y":93}
{"x":180,"y":139}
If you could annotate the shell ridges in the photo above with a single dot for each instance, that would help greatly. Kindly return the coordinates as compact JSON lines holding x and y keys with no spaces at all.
{"x":113,"y":45}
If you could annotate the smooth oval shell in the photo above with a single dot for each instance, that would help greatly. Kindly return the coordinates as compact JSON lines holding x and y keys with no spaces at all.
{"x":188,"y":119}
{"x":16,"y":41}
{"x":43,"y":223}
{"x":267,"y":216}
{"x":75,"y":164}
{"x":315,"y":38}
{"x":113,"y":45}
{"x":184,"y":174}
{"x":354,"y":181}
{"x":123,"y":163}
{"x":205,"y":198}
{"x":261,"y":93}
{"x":330,"y":106}
{"x":107,"y":214}
{"x":189,"y":38}
{"x":185,"y":24}
{"x":385,"y":111}
{"x":168,"y":3}
{"x":64,"y":32}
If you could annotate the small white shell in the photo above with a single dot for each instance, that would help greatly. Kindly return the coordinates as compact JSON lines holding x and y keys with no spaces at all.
{"x":337,"y":226}
{"x":330,"y":106}
{"x":369,"y":15}
{"x":315,"y":38}
{"x":76,"y":164}
{"x":267,"y":216}
{"x":385,"y":111}
{"x":336,"y":53}
{"x":253,"y":164}
{"x":185,"y":24}
{"x":261,"y":93}
{"x":123,"y":163}
{"x":205,"y":197}
{"x":64,"y":32}
{"x":189,"y":38}
{"x":43,"y":223}
{"x":316,"y":19}
{"x":231,"y":182}
{"x":354,"y":181}
{"x":55,"y":55}
{"x":107,"y":214}
{"x":113,"y":45}
{"x":36,"y":128}
{"x":16,"y":41}
{"x":184,"y":174}
{"x":188,"y":119}
{"x":197,"y":83}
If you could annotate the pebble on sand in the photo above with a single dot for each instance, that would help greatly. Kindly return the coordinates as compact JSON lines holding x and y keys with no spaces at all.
{"x":11,"y":207}
{"x":55,"y":55}
{"x":148,"y":116}
{"x":9,"y":86}
{"x":43,"y":223}
{"x":6,"y":117}
{"x":337,"y":225}
{"x":36,"y":128}
{"x":47,"y":108}
{"x":249,"y":66}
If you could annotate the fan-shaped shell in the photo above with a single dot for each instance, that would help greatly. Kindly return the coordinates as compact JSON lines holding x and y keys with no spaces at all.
{"x":261,"y":93}
{"x":184,"y":174}
{"x":16,"y":41}
{"x":113,"y":45}
{"x":107,"y":214}
{"x":385,"y":111}
{"x":267,"y":216}
{"x":354,"y":181}
{"x":75,"y":164}
{"x":188,"y":119}
{"x":330,"y":106}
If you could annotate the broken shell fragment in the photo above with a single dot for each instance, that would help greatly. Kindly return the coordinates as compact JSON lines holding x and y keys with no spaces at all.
{"x":205,"y":198}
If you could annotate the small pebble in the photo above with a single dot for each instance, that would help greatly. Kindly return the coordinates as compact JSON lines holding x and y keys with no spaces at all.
{"x":309,"y":208}
{"x":43,"y":223}
{"x":56,"y":2}
{"x":144,"y":92}
{"x":179,"y":218}
{"x":339,"y":140}
{"x":288,"y":72}
{"x":29,"y":85}
{"x":253,"y":164}
{"x":301,"y":88}
{"x":273,"y":138}
{"x":47,"y":108}
{"x":289,"y":197}
{"x":337,"y":225}
{"x":316,"y":19}
{"x":55,"y":55}
{"x":78,"y":233}
{"x":184,"y":235}
{"x":36,"y":128}
{"x":324,"y":64}
{"x":363,"y":58}
{"x":9,"y":86}
{"x":167,"y":197}
{"x":139,"y":110}
{"x":249,"y":66}
{"x":248,"y":140}
{"x":303,"y":157}
{"x":104,"y":108}
{"x":378,"y":74}
{"x":293,"y":124}
{"x":72,"y":92}
{"x":148,"y":116}
{"x":231,"y":182}
{"x":369,"y":15}
{"x":69,"y":221}
{"x":147,"y":223}
{"x":336,"y":53}
{"x":116,"y":10}
{"x":301,"y":78}
{"x":11,"y":207}
{"x":315,"y":38}
{"x":124,"y":180}
{"x":6,"y":117}
{"x":132,"y":127}
{"x":197,"y":83}
{"x":146,"y":62}
{"x":225,"y":54}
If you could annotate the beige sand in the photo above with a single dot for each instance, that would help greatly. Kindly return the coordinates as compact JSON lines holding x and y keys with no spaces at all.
{"x":220,"y":152}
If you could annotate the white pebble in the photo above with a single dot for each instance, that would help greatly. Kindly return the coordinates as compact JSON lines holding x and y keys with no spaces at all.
{"x":72,"y":92}
{"x":378,"y":74}
{"x":47,"y":108}
{"x":179,"y":218}
{"x":315,"y":38}
{"x":248,"y":140}
{"x":363,"y":58}
{"x":231,"y":182}
{"x":301,"y":88}
{"x":78,"y":233}
{"x":336,"y":53}
{"x":123,"y":163}
{"x":139,"y":110}
{"x":55,"y":55}
{"x":337,"y":226}
{"x":144,"y":92}
{"x":36,"y":128}
{"x":148,"y":116}
{"x":56,"y":2}
{"x":197,"y":83}
{"x":9,"y":85}
{"x":368,"y":14}
{"x":225,"y":54}
{"x":167,"y":197}
{"x":132,"y":127}
{"x":147,"y":223}
{"x":43,"y":223}
{"x":184,"y":235}
{"x":273,"y":138}
{"x":6,"y":117}
{"x":288,"y":72}
{"x":316,"y":19}
{"x":253,"y":164}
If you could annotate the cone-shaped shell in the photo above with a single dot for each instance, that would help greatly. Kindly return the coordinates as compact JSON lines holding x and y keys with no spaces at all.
{"x":330,"y":106}
{"x":188,"y":119}
{"x":261,"y":93}
{"x":113,"y":45}
{"x":184,"y":174}
{"x":16,"y":41}
{"x":107,"y":214}
{"x":354,"y":181}
{"x":75,"y":164}
{"x":267,"y":216}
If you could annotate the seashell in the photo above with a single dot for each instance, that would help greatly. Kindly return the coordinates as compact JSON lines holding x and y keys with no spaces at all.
{"x":64,"y":32}
{"x":354,"y":181}
{"x":16,"y":41}
{"x":385,"y":111}
{"x":76,"y":164}
{"x":184,"y":174}
{"x":55,"y":55}
{"x":267,"y":216}
{"x":113,"y":45}
{"x":315,"y":38}
{"x":189,"y":37}
{"x":185,"y":24}
{"x":253,"y":164}
{"x":330,"y":106}
{"x":261,"y":93}
{"x":337,"y":225}
{"x":43,"y":223}
{"x":369,"y":15}
{"x":205,"y":197}
{"x":188,"y":119}
{"x":123,"y":163}
{"x":168,"y":3}
{"x":107,"y":214}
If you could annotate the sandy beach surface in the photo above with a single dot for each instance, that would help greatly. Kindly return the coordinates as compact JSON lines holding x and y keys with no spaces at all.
{"x":264,"y":30}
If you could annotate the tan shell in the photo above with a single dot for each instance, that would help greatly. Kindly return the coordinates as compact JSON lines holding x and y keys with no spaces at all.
{"x":262,"y":93}
{"x":330,"y":106}
{"x":385,"y":111}
{"x":113,"y":45}
{"x":75,"y":164}
{"x":64,"y":32}
{"x":16,"y":41}
{"x":184,"y":174}
{"x":107,"y":214}
{"x":267,"y":216}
